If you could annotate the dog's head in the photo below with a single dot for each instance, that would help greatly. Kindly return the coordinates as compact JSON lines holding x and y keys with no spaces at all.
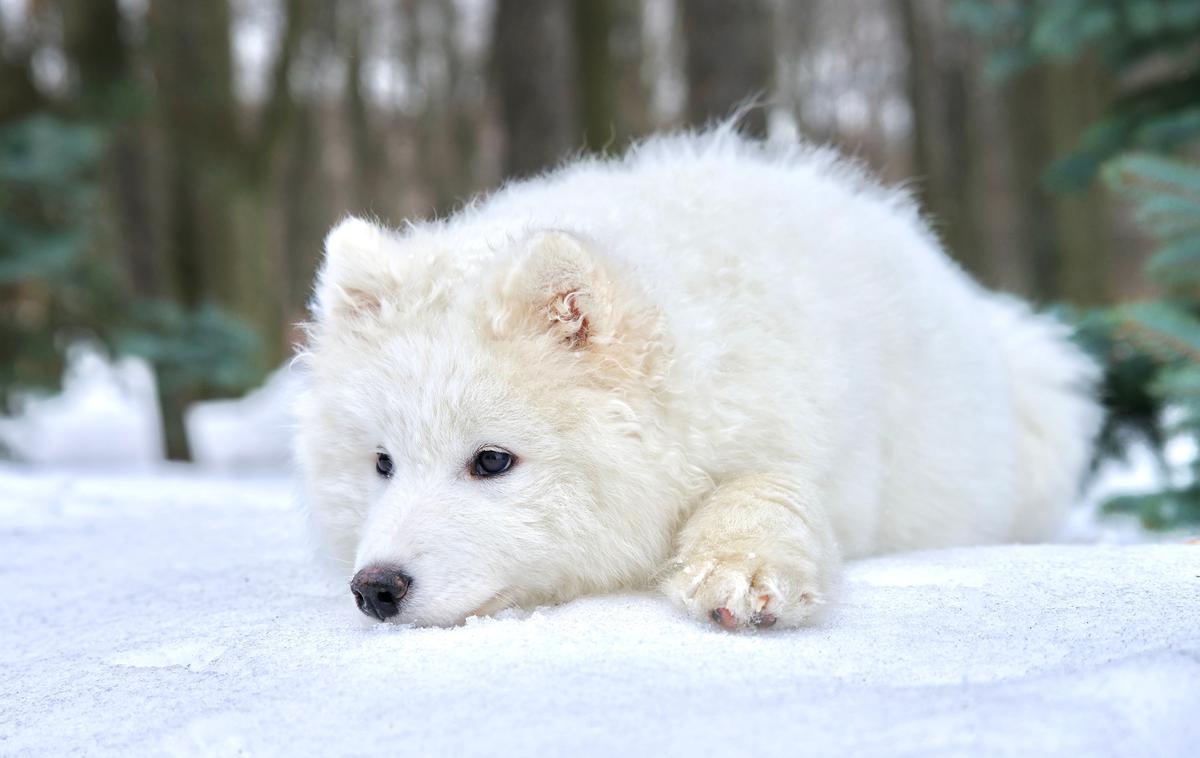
{"x":484,"y":429}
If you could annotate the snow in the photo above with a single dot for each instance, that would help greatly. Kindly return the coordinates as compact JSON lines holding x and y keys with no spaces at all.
{"x":253,"y":432}
{"x":106,"y":415}
{"x":177,"y":612}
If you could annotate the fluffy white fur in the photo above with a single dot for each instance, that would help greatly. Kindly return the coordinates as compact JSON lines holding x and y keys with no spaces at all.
{"x":723,"y":367}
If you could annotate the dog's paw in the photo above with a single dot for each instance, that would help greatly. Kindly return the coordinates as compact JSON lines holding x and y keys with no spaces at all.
{"x":746,"y":591}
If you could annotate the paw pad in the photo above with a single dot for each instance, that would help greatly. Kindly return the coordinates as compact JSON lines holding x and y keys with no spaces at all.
{"x":727,"y":620}
{"x":723,"y":617}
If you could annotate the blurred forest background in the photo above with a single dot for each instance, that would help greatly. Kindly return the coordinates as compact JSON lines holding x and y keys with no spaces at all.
{"x":168,"y":168}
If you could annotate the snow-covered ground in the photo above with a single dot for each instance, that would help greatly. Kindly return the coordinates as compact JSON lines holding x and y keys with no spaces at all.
{"x":177,"y":613}
{"x":107,"y":414}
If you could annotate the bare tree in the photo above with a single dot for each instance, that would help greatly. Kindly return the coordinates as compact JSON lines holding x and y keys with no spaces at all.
{"x":613,"y":99}
{"x":729,"y":59}
{"x":1065,"y":238}
{"x":109,"y":92}
{"x":597,"y":85}
{"x":941,"y":74}
{"x":19,"y":96}
{"x":534,"y":72}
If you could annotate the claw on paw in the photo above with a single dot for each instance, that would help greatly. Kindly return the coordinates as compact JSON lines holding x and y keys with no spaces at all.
{"x":723,"y":617}
{"x":727,"y":620}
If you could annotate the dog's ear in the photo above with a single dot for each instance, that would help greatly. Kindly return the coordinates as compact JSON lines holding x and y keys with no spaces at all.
{"x":357,"y":270}
{"x":556,"y":285}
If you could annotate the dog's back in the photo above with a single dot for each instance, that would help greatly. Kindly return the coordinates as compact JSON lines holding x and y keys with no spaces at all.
{"x":816,"y":321}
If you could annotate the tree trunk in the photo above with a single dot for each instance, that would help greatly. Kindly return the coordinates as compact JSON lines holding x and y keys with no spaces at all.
{"x":597,"y":90}
{"x":108,"y":92}
{"x":627,"y":55}
{"x":1030,"y":152}
{"x":172,"y":404}
{"x":19,"y":96}
{"x":1064,"y":237}
{"x":92,"y":32}
{"x":192,"y":64}
{"x":728,"y":61}
{"x":1077,"y":98}
{"x":534,"y":74}
{"x":940,"y":78}
{"x":364,"y":151}
{"x":306,"y":216}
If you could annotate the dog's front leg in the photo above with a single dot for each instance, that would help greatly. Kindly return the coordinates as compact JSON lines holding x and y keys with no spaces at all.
{"x":759,"y":550}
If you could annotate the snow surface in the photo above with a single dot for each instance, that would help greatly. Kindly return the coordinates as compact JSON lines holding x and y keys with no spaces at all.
{"x":106,"y":415}
{"x":253,"y":432}
{"x":178,"y":614}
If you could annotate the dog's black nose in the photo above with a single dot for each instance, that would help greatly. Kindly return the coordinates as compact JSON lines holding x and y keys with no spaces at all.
{"x":379,"y":589}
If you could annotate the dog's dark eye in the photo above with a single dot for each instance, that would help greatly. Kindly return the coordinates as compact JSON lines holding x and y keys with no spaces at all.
{"x":491,"y":462}
{"x":384,"y":465}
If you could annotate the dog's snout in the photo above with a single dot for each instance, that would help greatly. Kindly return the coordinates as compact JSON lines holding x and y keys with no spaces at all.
{"x":379,"y":589}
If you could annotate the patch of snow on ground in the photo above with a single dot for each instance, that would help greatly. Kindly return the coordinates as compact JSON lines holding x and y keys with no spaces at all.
{"x":1138,"y":472}
{"x":180,"y":614}
{"x":106,"y":415}
{"x":251,"y":432}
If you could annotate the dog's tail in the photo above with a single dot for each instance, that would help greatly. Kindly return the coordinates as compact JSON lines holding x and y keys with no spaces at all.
{"x":1052,"y":384}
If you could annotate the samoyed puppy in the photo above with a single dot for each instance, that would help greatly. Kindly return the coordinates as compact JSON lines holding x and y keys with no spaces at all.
{"x":712,"y":366}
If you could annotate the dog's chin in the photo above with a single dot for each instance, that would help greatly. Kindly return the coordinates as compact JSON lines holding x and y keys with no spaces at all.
{"x":494,"y":605}
{"x":449,"y":617}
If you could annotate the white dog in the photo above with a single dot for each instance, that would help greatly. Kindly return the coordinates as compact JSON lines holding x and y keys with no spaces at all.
{"x":712,"y":365}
